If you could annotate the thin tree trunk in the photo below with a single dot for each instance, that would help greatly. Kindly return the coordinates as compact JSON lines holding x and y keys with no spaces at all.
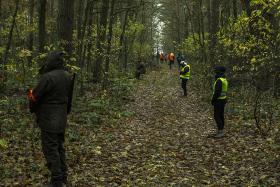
{"x":202,"y":32}
{"x":209,"y":15}
{"x":234,"y":6}
{"x":247,"y":7}
{"x":42,"y":24}
{"x":80,"y":17}
{"x":214,"y":30}
{"x":122,"y":37}
{"x":65,"y":24}
{"x":31,"y":34}
{"x":0,"y":19}
{"x":89,"y":36}
{"x":97,"y":72}
{"x":109,"y":44}
{"x":52,"y":8}
{"x":8,"y":46}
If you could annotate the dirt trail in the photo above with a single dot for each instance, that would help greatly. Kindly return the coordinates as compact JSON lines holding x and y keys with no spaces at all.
{"x":165,"y":143}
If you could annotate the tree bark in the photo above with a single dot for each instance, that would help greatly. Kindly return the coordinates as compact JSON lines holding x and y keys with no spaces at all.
{"x":101,"y":38}
{"x":122,"y":37}
{"x":65,"y":24}
{"x":247,"y":7}
{"x":8,"y":46}
{"x":42,"y":24}
{"x":31,"y":34}
{"x":234,"y":6}
{"x":109,"y":40}
{"x":215,"y":4}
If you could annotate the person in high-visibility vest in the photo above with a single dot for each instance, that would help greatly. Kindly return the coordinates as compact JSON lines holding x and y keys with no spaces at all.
{"x":185,"y":73}
{"x":219,"y":99}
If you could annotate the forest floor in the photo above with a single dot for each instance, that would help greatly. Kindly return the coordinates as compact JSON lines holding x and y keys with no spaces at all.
{"x":164,"y":142}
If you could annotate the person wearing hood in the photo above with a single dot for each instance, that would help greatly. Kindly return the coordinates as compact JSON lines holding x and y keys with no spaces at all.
{"x":219,"y":99}
{"x":50,"y":102}
{"x":185,"y":73}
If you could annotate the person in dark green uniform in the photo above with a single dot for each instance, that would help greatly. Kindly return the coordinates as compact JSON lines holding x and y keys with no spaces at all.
{"x":185,"y":73}
{"x":50,"y":102}
{"x":219,"y":99}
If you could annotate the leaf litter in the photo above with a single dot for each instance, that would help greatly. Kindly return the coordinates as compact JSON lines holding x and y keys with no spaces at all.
{"x":164,"y":143}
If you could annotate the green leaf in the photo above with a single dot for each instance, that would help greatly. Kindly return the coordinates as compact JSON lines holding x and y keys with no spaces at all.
{"x":3,"y":144}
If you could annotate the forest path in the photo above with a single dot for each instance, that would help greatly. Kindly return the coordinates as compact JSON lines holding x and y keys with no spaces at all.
{"x":165,"y":143}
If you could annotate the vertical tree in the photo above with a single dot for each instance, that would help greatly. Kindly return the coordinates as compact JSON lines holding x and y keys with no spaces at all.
{"x":42,"y":24}
{"x":31,"y":34}
{"x":110,"y":34}
{"x":65,"y":24}
{"x":215,"y":5}
{"x":101,"y":35}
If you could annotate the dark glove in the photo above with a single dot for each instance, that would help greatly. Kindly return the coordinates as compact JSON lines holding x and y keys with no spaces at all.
{"x":212,"y":102}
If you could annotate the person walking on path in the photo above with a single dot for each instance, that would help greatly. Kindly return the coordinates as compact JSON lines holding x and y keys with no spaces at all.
{"x":140,"y":69}
{"x":171,"y":58}
{"x":219,"y":99}
{"x":185,"y":75}
{"x":50,"y":100}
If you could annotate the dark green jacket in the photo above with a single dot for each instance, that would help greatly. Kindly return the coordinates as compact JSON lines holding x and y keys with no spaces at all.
{"x":52,"y":94}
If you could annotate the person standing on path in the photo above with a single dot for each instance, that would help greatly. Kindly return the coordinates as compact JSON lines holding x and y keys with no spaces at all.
{"x":171,"y":58}
{"x":185,"y":75}
{"x":219,"y":99}
{"x":51,"y":102}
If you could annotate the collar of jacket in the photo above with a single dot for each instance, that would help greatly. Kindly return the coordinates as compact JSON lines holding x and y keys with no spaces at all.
{"x":220,"y":75}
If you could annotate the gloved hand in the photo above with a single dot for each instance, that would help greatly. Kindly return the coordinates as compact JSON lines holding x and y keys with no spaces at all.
{"x":212,"y":102}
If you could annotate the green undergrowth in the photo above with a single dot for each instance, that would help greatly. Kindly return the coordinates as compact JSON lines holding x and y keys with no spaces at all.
{"x":21,"y":159}
{"x":99,"y":106}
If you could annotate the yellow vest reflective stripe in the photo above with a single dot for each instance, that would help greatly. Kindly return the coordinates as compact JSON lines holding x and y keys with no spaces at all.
{"x":224,"y":88}
{"x":188,"y":74}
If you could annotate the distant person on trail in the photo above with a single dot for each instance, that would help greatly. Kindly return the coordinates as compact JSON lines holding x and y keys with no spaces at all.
{"x":161,"y":58}
{"x":140,"y":69}
{"x":219,"y":99}
{"x":50,"y":100}
{"x":165,"y":58}
{"x":185,"y":76}
{"x":171,"y":58}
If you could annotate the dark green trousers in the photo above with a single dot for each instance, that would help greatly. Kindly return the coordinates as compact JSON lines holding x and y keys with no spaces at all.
{"x":53,"y":149}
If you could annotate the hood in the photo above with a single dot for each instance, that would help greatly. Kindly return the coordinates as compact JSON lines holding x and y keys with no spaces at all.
{"x":220,"y":75}
{"x":54,"y":60}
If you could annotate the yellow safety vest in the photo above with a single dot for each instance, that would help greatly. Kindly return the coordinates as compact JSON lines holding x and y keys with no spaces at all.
{"x":186,"y":75}
{"x":224,"y":88}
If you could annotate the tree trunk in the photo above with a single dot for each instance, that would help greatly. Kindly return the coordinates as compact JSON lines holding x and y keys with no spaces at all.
{"x":65,"y":24}
{"x":101,"y":38}
{"x":89,"y":36}
{"x":8,"y":46}
{"x":247,"y":7}
{"x":80,"y":16}
{"x":42,"y":24}
{"x":215,"y":4}
{"x":0,"y":20}
{"x":31,"y":34}
{"x":209,"y":15}
{"x":109,"y":40}
{"x":234,"y":6}
{"x":122,"y":37}
{"x":81,"y":27}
